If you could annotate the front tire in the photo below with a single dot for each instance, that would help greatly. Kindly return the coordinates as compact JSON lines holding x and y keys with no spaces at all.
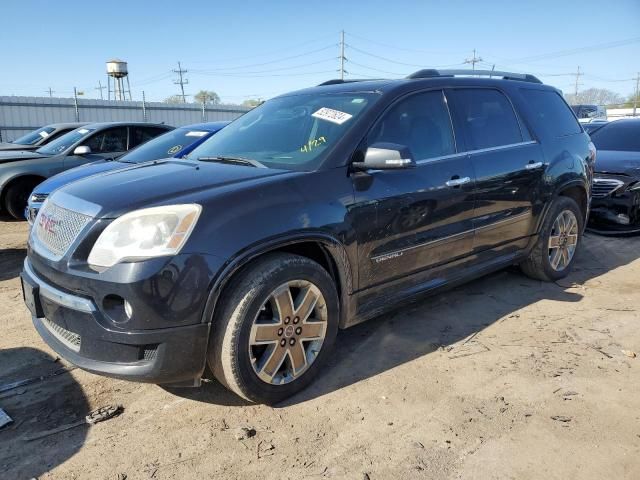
{"x":274,"y":328}
{"x":560,"y":236}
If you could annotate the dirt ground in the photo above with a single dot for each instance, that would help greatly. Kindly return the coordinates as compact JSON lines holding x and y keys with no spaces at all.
{"x":504,"y":377}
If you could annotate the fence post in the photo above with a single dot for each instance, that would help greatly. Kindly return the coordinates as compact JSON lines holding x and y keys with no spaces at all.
{"x":144,"y":107}
{"x":204,"y":112}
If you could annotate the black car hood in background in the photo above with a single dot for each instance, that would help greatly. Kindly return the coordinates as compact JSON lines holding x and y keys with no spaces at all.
{"x":17,"y":156}
{"x":8,"y":146}
{"x":613,"y":161}
{"x":156,"y":183}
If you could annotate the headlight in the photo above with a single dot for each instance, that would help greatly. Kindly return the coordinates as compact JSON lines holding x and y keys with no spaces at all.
{"x":146,"y":233}
{"x":634,"y":186}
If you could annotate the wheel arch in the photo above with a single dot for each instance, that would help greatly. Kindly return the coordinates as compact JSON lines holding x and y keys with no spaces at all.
{"x":323,"y":249}
{"x":16,"y":178}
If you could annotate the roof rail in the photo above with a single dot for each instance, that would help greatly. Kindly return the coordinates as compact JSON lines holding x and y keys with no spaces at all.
{"x":432,"y":73}
{"x":350,"y":80}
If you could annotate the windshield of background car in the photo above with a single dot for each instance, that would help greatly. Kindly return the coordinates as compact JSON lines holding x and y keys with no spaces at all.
{"x":289,"y":132}
{"x":624,"y":137}
{"x":35,"y":136}
{"x":164,"y":146}
{"x":59,"y":145}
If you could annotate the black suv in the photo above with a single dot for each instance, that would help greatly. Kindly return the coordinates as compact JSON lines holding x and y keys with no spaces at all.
{"x":315,"y":211}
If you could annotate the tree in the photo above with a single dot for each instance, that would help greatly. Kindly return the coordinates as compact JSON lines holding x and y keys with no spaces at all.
{"x":252,"y":102}
{"x":207,"y":96}
{"x":594,"y":96}
{"x":173,"y":99}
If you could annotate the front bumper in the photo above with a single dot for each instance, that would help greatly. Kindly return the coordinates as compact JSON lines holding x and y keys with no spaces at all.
{"x":74,"y":327}
{"x":616,"y":213}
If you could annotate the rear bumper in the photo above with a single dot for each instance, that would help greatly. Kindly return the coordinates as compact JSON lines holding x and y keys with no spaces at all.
{"x":71,"y":326}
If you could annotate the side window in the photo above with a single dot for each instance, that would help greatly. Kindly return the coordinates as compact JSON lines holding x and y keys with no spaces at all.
{"x":550,"y":113}
{"x":420,"y":122}
{"x":108,"y":141}
{"x":140,"y":135}
{"x":486,"y":117}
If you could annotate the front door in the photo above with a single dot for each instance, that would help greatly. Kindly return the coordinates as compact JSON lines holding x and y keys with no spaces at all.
{"x":423,"y":215}
{"x":508,"y":164}
{"x":107,"y":143}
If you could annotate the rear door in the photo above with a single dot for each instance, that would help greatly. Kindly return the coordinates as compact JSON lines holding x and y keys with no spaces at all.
{"x":508,"y":165}
{"x":107,"y":143}
{"x":423,"y":215}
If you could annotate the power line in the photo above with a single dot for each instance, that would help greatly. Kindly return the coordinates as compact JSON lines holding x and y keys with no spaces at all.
{"x":394,"y":47}
{"x":421,"y":65}
{"x":564,"y":53}
{"x":240,"y":67}
{"x":181,"y":81}
{"x":279,"y":69}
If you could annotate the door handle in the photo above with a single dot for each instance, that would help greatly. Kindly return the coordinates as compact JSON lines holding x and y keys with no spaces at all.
{"x":533,"y":165}
{"x":456,"y":182}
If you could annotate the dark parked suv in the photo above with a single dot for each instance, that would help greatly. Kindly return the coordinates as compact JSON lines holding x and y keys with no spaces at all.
{"x":315,"y":211}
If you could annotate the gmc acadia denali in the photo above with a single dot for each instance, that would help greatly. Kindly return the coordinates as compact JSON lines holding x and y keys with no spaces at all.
{"x":315,"y":211}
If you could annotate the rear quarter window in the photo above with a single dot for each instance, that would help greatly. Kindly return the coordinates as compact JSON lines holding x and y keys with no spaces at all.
{"x":550,"y":113}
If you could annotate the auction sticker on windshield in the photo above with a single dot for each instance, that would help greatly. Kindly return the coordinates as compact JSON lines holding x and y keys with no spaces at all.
{"x":331,"y":115}
{"x":196,"y":134}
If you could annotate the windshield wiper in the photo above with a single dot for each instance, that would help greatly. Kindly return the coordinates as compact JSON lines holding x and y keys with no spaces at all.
{"x":233,"y":161}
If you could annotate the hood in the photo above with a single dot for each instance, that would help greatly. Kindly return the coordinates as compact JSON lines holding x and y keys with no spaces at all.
{"x":157,"y":183}
{"x":4,"y":146}
{"x":613,"y":161}
{"x":18,"y":155}
{"x":86,"y":170}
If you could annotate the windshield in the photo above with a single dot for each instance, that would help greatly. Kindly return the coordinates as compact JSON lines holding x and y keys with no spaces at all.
{"x":35,"y":136}
{"x":288,"y":132}
{"x":164,"y":146}
{"x":59,"y":145}
{"x":623,"y":136}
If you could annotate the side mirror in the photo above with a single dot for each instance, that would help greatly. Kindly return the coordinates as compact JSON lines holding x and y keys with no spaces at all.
{"x":386,"y":156}
{"x":82,"y":150}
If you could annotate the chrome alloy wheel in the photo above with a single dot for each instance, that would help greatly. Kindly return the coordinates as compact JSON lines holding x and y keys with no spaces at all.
{"x":288,"y":332}
{"x":563,"y":240}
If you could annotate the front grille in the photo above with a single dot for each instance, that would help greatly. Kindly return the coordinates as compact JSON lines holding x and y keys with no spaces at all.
{"x":603,"y":187}
{"x":69,"y":339}
{"x":56,"y":228}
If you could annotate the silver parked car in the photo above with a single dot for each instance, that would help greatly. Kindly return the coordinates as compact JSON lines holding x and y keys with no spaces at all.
{"x":21,"y":171}
{"x":40,"y":137}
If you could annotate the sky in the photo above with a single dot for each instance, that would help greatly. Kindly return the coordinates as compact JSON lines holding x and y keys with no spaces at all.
{"x":259,"y":49}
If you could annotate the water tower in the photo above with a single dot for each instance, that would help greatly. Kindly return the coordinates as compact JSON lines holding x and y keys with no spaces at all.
{"x":117,"y":70}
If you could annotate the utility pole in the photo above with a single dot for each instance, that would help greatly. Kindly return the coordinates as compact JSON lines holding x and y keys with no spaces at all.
{"x":635,"y":99}
{"x":75,"y":103}
{"x":578,"y":75}
{"x":473,"y":60}
{"x":181,"y":81}
{"x":50,"y":92}
{"x":100,"y":87}
{"x":342,"y":58}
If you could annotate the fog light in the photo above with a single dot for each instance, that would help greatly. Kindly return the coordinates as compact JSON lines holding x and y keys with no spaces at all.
{"x":128,"y":309}
{"x":623,"y":219}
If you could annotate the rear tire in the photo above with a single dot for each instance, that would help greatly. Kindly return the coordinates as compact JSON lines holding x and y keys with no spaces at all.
{"x":17,"y":196}
{"x":274,"y":328}
{"x":558,"y":241}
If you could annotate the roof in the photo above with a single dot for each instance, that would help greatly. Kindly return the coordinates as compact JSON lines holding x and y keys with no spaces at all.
{"x":116,"y":124}
{"x":425,"y":78}
{"x":67,"y":124}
